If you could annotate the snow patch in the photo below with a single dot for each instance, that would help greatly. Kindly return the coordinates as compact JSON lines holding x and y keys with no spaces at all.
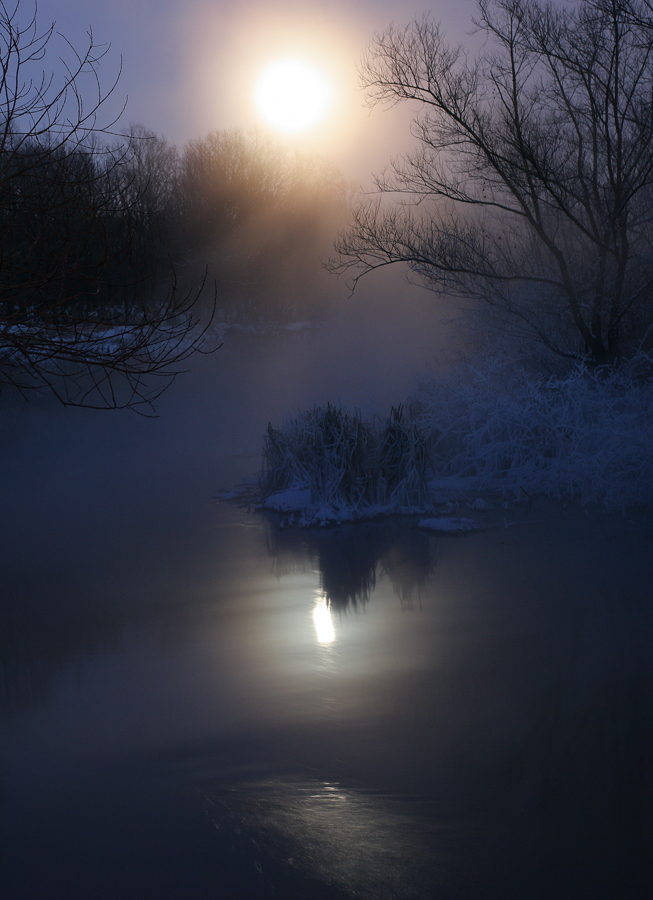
{"x":304,"y":513}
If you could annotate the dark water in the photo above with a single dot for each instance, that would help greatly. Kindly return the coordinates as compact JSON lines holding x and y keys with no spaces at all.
{"x":195,"y":704}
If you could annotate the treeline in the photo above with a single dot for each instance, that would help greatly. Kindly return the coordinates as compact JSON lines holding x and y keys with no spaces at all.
{"x":117,"y":253}
{"x":85,"y":226}
{"x":64,"y":228}
{"x":259,"y":216}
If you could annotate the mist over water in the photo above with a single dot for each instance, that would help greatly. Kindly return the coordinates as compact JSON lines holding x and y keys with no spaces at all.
{"x":472,"y":719}
{"x":108,"y":515}
{"x":85,"y":489}
{"x":201,"y":700}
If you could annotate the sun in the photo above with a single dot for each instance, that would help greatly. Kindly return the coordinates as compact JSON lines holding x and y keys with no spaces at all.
{"x":292,"y":95}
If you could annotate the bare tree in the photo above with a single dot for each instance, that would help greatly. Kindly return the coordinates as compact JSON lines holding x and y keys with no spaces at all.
{"x":150,"y":187}
{"x":531,"y":185}
{"x":74,"y":318}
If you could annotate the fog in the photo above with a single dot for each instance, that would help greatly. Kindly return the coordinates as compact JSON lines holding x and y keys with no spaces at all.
{"x":170,"y":726}
{"x":200,"y":695}
{"x":111,"y":502}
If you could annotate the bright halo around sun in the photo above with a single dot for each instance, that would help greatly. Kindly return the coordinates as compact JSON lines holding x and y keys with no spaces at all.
{"x":292,"y":95}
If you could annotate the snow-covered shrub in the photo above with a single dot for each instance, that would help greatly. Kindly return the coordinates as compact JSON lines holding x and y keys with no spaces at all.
{"x":587,"y":434}
{"x":347,"y":462}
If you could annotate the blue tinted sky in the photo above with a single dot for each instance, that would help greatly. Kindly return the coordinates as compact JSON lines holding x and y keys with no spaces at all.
{"x":189,"y":65}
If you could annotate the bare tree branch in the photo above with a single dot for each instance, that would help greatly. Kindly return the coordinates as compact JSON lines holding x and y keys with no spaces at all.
{"x":79,"y":314}
{"x":532,"y":177}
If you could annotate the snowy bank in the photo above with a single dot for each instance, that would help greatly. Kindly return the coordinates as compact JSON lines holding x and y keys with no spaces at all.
{"x":589,"y":434}
{"x":488,"y":429}
{"x":333,"y":466}
{"x":305,"y":513}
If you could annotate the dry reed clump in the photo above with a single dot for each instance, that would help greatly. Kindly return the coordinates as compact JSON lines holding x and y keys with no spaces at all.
{"x":347,"y":462}
{"x":588,"y":434}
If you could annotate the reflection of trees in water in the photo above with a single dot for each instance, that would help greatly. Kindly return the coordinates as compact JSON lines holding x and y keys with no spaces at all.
{"x":408,"y":561}
{"x":546,"y":689}
{"x":350,"y":556}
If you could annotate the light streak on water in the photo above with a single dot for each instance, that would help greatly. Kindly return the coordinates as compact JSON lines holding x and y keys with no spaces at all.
{"x":323,"y":622}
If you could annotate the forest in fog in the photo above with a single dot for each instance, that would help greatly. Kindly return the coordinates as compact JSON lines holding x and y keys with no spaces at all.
{"x":251,"y":217}
{"x":326,"y":510}
{"x":118,"y":249}
{"x":152,"y":243}
{"x":526,"y":198}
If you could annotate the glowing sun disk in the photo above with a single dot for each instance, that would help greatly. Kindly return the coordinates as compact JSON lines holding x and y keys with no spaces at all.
{"x":292,"y":95}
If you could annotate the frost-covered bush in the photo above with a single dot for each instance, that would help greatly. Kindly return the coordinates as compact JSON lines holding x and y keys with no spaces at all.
{"x":588,"y":434}
{"x":347,"y":462}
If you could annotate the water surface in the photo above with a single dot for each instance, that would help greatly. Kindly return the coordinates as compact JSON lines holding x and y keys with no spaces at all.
{"x":196,"y":704}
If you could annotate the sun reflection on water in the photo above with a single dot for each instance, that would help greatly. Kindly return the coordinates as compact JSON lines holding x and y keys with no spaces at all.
{"x":323,"y":622}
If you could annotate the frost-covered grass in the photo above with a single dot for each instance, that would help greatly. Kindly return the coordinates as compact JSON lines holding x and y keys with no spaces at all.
{"x":338,"y":461}
{"x":486,"y":427}
{"x":588,"y":435}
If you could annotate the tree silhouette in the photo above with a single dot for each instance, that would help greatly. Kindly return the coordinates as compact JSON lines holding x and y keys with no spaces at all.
{"x":529,"y":192}
{"x":75,"y":318}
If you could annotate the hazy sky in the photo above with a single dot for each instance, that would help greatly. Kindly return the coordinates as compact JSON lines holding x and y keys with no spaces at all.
{"x":189,"y":66}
